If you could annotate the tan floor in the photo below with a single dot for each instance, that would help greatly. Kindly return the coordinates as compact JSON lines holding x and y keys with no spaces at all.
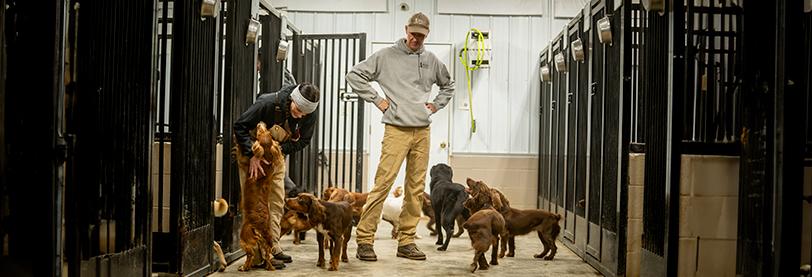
{"x":453,"y":262}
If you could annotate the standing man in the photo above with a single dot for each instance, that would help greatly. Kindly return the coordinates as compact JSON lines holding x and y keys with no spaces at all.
{"x":292,"y":114}
{"x":406,"y":73}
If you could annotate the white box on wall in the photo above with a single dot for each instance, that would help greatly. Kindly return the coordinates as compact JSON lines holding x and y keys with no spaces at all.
{"x":338,"y":6}
{"x":490,"y":7}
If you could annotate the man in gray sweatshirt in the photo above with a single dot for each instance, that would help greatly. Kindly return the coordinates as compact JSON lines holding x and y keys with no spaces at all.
{"x":406,"y":73}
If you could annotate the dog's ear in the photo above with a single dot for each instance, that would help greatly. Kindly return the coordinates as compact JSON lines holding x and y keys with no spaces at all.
{"x":349,"y":198}
{"x":316,"y":210}
{"x":471,"y":183}
{"x":497,"y":202}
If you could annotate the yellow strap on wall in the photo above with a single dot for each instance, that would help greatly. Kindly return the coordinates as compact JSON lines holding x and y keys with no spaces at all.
{"x":468,"y":69}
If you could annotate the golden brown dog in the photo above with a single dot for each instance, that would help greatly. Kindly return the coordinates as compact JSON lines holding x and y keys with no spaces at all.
{"x":255,"y":234}
{"x":294,"y":222}
{"x":357,"y":200}
{"x":332,"y":220}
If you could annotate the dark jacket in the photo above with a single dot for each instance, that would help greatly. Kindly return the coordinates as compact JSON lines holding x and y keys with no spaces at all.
{"x":273,"y":109}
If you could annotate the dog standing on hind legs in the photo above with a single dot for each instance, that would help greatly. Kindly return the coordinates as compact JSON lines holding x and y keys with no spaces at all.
{"x":255,"y":233}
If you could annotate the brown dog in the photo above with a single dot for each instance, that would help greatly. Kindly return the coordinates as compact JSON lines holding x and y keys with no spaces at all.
{"x":332,"y":220}
{"x":295,"y":222}
{"x":518,"y":222}
{"x":255,"y":234}
{"x":357,"y":200}
{"x":484,"y":228}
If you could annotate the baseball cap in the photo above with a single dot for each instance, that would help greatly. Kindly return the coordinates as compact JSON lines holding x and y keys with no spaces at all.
{"x":418,"y":23}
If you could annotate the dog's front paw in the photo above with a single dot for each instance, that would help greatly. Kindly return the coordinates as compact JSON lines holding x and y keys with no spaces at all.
{"x":548,"y":258}
{"x":441,"y":248}
{"x":494,"y":262}
{"x":511,"y":254}
{"x":320,"y":263}
{"x":332,"y":268}
{"x":439,"y":242}
{"x":345,"y":259}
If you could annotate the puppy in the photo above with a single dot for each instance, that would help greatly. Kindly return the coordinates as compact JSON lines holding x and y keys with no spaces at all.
{"x":428,"y":211}
{"x":484,"y":228}
{"x":357,"y":200}
{"x":518,"y":222}
{"x":220,"y":209}
{"x":392,"y":207}
{"x":332,"y":220}
{"x":294,"y":222}
{"x":447,"y":199}
{"x":255,"y":235}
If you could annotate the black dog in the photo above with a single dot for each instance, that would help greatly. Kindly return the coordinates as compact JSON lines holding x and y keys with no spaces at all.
{"x":446,"y":198}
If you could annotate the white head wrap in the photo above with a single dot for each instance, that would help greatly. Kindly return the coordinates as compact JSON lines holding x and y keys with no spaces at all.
{"x":304,"y":105}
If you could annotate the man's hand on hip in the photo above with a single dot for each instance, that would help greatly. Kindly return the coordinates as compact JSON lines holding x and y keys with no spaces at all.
{"x":383,"y":105}
{"x":431,"y":107}
{"x":255,"y":170}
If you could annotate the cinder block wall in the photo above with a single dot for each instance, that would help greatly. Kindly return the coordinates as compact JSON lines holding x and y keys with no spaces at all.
{"x":515,"y":175}
{"x":709,"y":188}
{"x":634,"y":231}
{"x":156,"y":206}
{"x":709,"y":195}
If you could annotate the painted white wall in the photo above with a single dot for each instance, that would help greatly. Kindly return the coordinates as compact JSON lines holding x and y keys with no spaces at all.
{"x":505,"y":95}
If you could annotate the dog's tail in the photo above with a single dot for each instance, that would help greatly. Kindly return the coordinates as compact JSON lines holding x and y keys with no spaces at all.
{"x":220,"y":207}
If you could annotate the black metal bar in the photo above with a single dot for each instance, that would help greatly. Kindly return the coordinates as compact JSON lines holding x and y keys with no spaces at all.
{"x":322,"y":156}
{"x":330,"y":179}
{"x":353,"y":110}
{"x":342,"y":71}
{"x":359,"y":157}
{"x":161,"y":117}
{"x":674,"y":137}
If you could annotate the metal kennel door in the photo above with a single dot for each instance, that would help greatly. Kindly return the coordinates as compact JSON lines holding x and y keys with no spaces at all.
{"x":110,"y":100}
{"x":336,"y":155}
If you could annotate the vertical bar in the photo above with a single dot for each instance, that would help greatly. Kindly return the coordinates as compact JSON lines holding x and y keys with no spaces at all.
{"x":323,"y":80}
{"x":161,"y":113}
{"x":344,"y":126}
{"x":341,"y":138}
{"x":336,"y":61}
{"x":362,"y":44}
{"x":353,"y":107}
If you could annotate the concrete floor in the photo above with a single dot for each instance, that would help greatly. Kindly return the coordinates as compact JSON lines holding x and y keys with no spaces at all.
{"x":454,"y":262}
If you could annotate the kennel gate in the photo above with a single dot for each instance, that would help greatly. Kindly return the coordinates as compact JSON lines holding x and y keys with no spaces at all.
{"x":545,"y":101}
{"x":336,"y":157}
{"x":32,"y":133}
{"x":238,"y":93}
{"x":111,"y":100}
{"x":190,"y":77}
{"x":585,"y":152}
{"x":775,"y":82}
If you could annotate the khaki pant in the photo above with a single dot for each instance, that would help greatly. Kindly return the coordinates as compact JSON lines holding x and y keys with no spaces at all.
{"x":399,"y":143}
{"x":276,"y":202}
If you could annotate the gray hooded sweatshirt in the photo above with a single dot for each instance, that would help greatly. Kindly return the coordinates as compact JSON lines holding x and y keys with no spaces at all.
{"x":406,"y":78}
